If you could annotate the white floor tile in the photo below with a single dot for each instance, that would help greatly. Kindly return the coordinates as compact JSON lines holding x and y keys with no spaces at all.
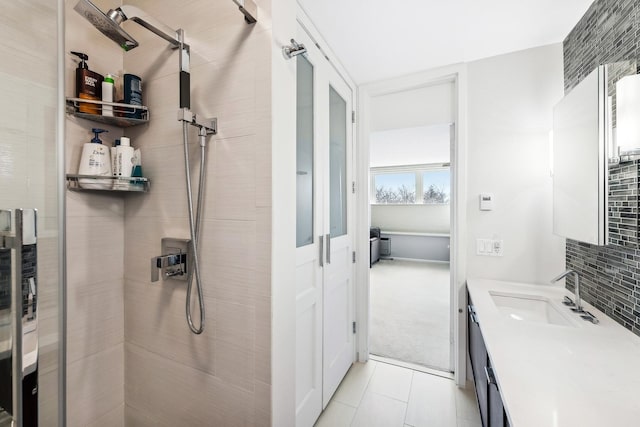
{"x":391,"y":381}
{"x":354,"y":384}
{"x":377,"y":394}
{"x":379,"y":411}
{"x":336,"y":415}
{"x":432,"y":402}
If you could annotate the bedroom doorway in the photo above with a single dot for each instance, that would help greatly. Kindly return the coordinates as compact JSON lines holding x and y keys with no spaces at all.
{"x":411,"y":147}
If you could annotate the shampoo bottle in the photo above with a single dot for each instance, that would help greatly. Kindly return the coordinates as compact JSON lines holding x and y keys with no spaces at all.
{"x":88,"y":85}
{"x":95,"y":161}
{"x":124,"y":164}
{"x":107,"y":95}
{"x":124,"y":157}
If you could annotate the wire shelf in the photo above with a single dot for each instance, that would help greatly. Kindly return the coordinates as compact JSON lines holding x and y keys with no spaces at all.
{"x":120,"y":112}
{"x":108,"y":183}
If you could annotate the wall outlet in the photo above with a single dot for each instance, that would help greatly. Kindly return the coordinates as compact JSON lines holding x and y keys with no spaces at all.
{"x":489,"y":247}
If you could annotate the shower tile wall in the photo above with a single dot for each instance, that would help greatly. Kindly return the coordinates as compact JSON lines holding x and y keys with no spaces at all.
{"x":95,"y":254}
{"x":608,"y":32}
{"x":222,"y":377}
{"x":27,"y":161}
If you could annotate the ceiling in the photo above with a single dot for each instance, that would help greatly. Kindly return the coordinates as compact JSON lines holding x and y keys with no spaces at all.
{"x":379,"y":39}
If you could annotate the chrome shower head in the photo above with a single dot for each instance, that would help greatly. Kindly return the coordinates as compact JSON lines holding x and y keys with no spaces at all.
{"x":107,"y":25}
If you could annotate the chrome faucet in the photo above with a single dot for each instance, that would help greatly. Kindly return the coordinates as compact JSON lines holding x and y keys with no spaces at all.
{"x":578,"y":304}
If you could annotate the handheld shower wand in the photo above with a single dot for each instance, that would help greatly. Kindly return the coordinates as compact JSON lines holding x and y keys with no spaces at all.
{"x":109,"y":25}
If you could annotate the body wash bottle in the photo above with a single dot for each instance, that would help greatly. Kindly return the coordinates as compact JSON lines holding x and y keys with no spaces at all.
{"x":88,"y":85}
{"x":95,"y":161}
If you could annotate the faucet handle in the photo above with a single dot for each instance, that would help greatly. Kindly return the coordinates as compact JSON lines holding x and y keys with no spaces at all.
{"x":589,"y":317}
{"x":178,"y":260}
{"x":568,"y":301}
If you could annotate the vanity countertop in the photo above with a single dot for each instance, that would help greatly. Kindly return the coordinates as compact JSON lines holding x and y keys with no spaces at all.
{"x":559,"y":376}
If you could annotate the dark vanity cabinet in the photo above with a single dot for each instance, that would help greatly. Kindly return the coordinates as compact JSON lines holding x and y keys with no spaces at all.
{"x":490,"y":404}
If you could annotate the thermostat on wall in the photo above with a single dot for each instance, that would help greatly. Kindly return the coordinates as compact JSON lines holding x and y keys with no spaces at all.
{"x":486,"y":202}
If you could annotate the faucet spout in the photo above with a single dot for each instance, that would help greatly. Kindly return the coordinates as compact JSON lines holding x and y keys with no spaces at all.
{"x":578,"y":304}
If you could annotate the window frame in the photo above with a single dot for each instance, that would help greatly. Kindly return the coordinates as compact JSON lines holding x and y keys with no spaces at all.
{"x":418,"y":171}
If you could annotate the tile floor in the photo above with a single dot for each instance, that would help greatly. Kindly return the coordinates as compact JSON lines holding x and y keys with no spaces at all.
{"x":376,"y":394}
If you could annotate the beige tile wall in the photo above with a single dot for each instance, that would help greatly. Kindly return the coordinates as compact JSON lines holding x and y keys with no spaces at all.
{"x":28,"y":169}
{"x":132,"y":358}
{"x":95,"y":254}
{"x":222,"y":377}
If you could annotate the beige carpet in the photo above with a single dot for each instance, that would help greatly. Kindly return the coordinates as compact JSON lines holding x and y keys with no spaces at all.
{"x":410,"y":312}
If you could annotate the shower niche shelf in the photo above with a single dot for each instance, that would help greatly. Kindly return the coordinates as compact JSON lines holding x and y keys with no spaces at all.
{"x":73,"y":108}
{"x":107,"y":183}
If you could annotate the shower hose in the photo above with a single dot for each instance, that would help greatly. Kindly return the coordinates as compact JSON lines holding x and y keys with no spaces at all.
{"x":194,"y":227}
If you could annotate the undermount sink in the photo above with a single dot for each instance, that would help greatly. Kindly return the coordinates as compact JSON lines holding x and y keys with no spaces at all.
{"x":529,"y":308}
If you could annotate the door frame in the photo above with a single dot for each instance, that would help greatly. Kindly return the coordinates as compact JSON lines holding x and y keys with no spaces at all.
{"x":456,"y":74}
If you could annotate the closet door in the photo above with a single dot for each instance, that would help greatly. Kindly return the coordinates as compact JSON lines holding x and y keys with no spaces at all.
{"x":324,"y":269}
{"x":337,"y":290}
{"x":310,"y":249}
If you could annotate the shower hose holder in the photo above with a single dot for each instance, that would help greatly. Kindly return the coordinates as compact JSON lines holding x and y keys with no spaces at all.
{"x":205,"y":127}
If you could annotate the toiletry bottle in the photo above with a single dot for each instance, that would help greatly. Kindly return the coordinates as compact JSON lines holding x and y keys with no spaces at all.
{"x":132,"y":88}
{"x":107,"y":95}
{"x":114,"y":158}
{"x":88,"y":85}
{"x":124,"y":155}
{"x":95,"y":161}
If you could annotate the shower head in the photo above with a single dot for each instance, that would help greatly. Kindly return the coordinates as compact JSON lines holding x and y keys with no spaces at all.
{"x":107,"y":25}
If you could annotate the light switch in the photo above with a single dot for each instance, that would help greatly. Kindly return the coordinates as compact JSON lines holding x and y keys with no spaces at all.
{"x":489,"y":247}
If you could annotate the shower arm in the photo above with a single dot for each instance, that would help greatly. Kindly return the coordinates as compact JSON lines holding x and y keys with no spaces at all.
{"x":174,"y":37}
{"x":132,"y":13}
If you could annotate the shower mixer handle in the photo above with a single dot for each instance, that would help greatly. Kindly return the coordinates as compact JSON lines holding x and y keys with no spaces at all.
{"x":179,"y":261}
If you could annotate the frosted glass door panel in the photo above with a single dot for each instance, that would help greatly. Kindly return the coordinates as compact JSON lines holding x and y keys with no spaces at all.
{"x":304,"y":153}
{"x":337,"y":164}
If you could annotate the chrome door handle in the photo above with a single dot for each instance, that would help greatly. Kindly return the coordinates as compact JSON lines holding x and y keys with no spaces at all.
{"x":328,"y":237}
{"x":491,"y":378}
{"x":321,"y":244}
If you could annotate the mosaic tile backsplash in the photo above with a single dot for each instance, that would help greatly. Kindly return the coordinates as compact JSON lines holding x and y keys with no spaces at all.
{"x":609,"y":32}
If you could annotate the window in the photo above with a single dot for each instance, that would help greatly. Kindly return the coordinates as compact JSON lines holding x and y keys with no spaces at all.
{"x":408,"y":185}
{"x":396,"y":188}
{"x":436,"y":186}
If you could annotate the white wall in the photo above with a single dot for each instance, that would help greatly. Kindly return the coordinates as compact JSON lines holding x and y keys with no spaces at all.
{"x":510,"y":101}
{"x":411,"y":218}
{"x":410,"y":146}
{"x":431,"y":105}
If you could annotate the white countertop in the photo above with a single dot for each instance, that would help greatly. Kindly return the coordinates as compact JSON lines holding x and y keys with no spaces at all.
{"x":559,"y":376}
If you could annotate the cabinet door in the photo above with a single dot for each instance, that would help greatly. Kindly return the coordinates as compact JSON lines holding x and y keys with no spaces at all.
{"x":495,"y":407}
{"x":479,"y":360}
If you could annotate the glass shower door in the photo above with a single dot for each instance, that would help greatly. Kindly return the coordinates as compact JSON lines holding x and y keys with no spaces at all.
{"x":30,"y":279}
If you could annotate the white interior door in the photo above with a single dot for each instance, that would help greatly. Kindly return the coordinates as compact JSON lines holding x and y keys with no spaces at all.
{"x":324,"y":269}
{"x":309,"y":249}
{"x":337,"y":296}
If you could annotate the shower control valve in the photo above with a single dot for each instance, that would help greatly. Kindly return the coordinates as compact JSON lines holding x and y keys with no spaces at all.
{"x":172,"y":265}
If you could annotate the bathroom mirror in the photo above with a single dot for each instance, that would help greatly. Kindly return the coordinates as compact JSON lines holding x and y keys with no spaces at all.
{"x":584,"y":155}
